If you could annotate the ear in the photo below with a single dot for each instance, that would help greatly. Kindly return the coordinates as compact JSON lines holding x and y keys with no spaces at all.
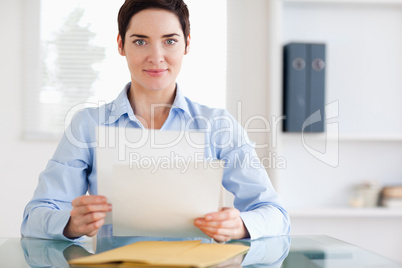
{"x":120,"y":45}
{"x":188,"y":45}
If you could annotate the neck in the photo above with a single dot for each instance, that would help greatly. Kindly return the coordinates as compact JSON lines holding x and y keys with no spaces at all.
{"x":151,"y":107}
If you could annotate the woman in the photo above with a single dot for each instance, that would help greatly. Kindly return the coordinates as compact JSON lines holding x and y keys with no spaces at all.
{"x":154,"y":36}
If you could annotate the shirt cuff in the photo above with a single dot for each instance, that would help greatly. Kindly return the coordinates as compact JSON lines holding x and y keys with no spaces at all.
{"x":249,"y":223}
{"x":57,"y":223}
{"x":265,"y":221}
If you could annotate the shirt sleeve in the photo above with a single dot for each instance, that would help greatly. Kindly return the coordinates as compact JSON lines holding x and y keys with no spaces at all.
{"x":64,"y":179}
{"x":245,"y":177}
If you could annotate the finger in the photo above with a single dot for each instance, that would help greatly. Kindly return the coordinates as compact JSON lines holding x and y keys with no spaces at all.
{"x":93,"y":217}
{"x":80,"y":212}
{"x":218,"y":231}
{"x":224,"y":214}
{"x":93,"y":233}
{"x":82,"y":221}
{"x":220,"y":239}
{"x":88,"y":199}
{"x":85,"y":209}
{"x":228,"y":224}
{"x":217,"y":237}
{"x":92,"y":228}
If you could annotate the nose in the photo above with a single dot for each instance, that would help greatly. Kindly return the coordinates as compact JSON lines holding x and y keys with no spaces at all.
{"x":156,"y":54}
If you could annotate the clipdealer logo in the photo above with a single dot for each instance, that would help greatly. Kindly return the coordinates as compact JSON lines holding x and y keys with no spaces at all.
{"x":330,"y":155}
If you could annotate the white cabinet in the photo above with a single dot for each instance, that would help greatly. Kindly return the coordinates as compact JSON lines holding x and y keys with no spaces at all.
{"x":364,"y":75}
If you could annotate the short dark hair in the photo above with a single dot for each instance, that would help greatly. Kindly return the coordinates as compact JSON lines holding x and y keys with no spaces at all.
{"x":132,"y":7}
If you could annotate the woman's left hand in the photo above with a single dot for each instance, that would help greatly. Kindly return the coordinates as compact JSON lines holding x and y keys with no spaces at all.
{"x":223,"y":225}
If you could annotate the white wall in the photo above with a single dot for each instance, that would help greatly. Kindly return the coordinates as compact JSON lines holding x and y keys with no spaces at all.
{"x":247,"y":68}
{"x":20,"y":161}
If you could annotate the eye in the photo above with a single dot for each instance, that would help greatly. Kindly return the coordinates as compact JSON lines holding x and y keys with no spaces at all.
{"x":140,"y":42}
{"x":171,"y":41}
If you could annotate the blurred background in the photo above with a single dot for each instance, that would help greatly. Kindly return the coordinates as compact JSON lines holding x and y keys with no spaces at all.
{"x":58,"y":56}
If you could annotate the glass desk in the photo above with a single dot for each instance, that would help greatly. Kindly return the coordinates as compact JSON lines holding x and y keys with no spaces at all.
{"x":286,"y":252}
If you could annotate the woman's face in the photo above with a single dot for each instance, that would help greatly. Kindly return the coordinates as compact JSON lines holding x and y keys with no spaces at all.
{"x":154,"y":49}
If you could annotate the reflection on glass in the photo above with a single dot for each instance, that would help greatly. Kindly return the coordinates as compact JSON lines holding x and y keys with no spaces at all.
{"x":50,"y":253}
{"x":266,"y":252}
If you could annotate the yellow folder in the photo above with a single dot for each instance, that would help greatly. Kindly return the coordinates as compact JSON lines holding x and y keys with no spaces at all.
{"x":165,"y":254}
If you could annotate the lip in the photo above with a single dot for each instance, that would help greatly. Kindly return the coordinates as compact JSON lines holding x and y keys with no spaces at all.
{"x":155,"y":72}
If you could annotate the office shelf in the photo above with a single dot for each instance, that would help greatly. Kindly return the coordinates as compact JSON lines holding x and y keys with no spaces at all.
{"x":345,"y":212}
{"x":372,"y":137}
{"x":352,"y":137}
{"x":379,"y":2}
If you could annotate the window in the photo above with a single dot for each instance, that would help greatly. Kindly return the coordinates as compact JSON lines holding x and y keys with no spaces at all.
{"x":71,"y":59}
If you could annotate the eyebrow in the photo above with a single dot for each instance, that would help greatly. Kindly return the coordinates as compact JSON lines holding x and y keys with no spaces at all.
{"x":164,"y":36}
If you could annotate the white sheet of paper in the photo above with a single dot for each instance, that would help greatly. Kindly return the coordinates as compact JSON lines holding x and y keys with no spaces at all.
{"x":127,"y":146}
{"x":165,"y":202}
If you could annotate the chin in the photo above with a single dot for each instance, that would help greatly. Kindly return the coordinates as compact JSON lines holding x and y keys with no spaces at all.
{"x":154,"y":85}
{"x":159,"y":87}
{"x":156,"y":88}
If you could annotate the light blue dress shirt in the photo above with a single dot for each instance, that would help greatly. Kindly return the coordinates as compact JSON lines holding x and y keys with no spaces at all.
{"x":72,"y":170}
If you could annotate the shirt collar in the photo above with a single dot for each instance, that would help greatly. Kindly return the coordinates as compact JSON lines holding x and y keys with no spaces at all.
{"x":121,"y":105}
{"x":180,"y":102}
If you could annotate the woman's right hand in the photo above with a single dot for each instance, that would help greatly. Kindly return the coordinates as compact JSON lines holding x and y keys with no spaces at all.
{"x":87,"y":216}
